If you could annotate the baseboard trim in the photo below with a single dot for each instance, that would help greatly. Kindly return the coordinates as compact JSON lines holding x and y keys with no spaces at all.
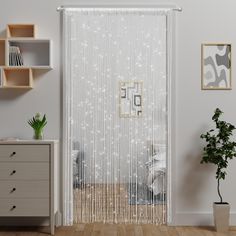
{"x":198,"y":219}
{"x":58,"y":219}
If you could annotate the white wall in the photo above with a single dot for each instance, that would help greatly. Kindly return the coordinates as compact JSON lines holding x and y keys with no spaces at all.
{"x":201,"y":21}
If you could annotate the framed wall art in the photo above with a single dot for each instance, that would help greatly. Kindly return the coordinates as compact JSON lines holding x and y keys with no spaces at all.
{"x":216,"y":66}
{"x":131,"y":98}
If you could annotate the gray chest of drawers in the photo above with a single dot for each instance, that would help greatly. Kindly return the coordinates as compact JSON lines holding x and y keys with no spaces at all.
{"x":28,"y":186}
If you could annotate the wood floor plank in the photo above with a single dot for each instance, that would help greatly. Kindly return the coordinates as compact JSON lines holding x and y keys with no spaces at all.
{"x":88,"y":229}
{"x":97,"y":228}
{"x":130,"y":230}
{"x":100,"y":229}
{"x":79,"y":230}
{"x":121,"y":230}
{"x":181,"y":231}
{"x":147,"y":230}
{"x":109,"y":229}
{"x":138,"y":231}
{"x":191,"y":231}
{"x":172,"y":231}
{"x":64,"y":231}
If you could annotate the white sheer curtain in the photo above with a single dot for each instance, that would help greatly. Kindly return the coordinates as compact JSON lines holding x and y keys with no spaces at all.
{"x":115,"y":115}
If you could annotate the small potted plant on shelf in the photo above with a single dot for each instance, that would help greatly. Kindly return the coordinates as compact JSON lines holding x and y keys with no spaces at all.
{"x":38,"y":125}
{"x":219,"y":149}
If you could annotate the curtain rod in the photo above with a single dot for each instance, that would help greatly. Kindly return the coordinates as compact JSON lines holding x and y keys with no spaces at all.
{"x":179,"y":9}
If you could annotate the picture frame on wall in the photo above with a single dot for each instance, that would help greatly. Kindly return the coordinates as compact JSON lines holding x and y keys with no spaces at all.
{"x":131,"y":104}
{"x":216,"y":71}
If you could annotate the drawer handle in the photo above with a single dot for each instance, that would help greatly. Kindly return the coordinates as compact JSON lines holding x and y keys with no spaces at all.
{"x":13,"y":172}
{"x":13,"y":154}
{"x":13,"y":207}
{"x":13,"y":190}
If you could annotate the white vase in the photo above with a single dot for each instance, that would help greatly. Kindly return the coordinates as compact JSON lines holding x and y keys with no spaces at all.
{"x":221,"y":216}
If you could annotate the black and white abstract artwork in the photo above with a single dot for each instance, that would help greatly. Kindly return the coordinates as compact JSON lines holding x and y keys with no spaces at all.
{"x":130,"y":98}
{"x":216,"y":66}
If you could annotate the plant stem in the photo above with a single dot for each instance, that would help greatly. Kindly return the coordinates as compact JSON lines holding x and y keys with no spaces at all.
{"x":218,"y":190}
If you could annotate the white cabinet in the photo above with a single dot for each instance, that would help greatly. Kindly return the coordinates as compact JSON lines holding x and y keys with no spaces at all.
{"x":28,"y":179}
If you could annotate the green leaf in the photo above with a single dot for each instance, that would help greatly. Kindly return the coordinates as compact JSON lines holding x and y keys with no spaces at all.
{"x":37,"y":123}
{"x":219,"y":146}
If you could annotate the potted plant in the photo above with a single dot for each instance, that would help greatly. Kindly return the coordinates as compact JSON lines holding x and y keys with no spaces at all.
{"x":38,"y":124}
{"x":219,"y":150}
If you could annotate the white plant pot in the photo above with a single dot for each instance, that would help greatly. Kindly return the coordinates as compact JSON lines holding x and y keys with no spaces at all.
{"x":221,"y":216}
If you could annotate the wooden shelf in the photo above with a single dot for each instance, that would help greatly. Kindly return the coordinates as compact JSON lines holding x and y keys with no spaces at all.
{"x":31,"y":67}
{"x":36,"y":53}
{"x":2,"y":52}
{"x":20,"y":55}
{"x":17,"y":78}
{"x":16,"y":87}
{"x":21,"y":30}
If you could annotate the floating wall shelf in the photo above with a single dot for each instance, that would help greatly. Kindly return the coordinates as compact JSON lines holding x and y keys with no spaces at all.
{"x":35,"y":54}
{"x":17,"y":78}
{"x":2,"y":52}
{"x":21,"y":30}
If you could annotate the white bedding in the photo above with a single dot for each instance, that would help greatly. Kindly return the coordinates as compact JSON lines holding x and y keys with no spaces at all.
{"x":156,"y":180}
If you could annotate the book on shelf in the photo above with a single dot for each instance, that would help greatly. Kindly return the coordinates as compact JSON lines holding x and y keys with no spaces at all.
{"x":15,"y":56}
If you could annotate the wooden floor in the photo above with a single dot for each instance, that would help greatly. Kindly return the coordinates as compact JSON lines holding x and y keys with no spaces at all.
{"x":96,"y":229}
{"x":110,"y":203}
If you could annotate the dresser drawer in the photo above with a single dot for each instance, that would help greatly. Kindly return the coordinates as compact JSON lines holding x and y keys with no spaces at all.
{"x":24,"y":153}
{"x":24,"y":171}
{"x":24,"y":189}
{"x":24,"y":207}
